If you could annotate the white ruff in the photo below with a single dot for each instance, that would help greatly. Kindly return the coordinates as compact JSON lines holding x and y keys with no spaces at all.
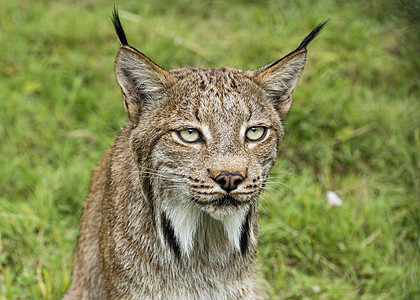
{"x":233,"y":226}
{"x":185,"y":217}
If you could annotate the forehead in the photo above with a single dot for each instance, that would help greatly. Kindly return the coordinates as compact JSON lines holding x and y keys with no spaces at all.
{"x":215,"y":95}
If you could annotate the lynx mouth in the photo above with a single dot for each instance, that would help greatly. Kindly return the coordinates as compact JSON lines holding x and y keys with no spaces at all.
{"x":223,"y":202}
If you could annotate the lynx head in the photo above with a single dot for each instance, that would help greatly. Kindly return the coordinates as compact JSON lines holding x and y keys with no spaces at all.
{"x":204,"y":140}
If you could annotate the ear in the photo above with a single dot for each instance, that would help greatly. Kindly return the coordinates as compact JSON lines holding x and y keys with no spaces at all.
{"x":142,"y":81}
{"x":279,"y":79}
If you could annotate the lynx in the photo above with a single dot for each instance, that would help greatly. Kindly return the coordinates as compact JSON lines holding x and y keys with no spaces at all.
{"x":171,"y":211}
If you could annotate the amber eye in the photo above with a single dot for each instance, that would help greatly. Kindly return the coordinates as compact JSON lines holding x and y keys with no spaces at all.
{"x":189,"y":135}
{"x":255,"y":134}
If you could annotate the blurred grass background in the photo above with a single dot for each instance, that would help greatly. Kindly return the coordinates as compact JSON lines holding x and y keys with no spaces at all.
{"x":354,"y":129}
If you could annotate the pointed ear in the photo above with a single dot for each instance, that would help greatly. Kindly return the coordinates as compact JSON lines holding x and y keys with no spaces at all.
{"x":279,"y":79}
{"x":142,"y":81}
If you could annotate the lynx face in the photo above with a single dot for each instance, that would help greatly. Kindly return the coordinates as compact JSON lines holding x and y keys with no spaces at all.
{"x":219,"y":141}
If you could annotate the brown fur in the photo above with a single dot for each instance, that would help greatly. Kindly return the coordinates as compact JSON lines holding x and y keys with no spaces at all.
{"x":157,"y":222}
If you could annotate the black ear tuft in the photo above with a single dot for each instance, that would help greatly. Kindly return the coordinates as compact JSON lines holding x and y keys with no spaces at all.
{"x":311,"y":36}
{"x":302,"y":45}
{"x":118,"y":27}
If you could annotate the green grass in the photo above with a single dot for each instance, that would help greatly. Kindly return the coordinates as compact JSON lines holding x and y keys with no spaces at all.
{"x":354,"y":128}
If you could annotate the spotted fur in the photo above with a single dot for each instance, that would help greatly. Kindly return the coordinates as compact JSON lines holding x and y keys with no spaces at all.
{"x":162,"y":218}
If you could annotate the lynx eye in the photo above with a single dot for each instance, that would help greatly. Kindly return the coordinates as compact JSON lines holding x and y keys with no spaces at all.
{"x":189,"y":135}
{"x":255,"y":134}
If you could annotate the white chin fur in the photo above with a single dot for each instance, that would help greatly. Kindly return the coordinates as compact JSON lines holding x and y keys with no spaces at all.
{"x":185,"y":218}
{"x":233,"y":226}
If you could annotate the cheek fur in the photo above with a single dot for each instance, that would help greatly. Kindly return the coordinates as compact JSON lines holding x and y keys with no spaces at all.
{"x":178,"y":155}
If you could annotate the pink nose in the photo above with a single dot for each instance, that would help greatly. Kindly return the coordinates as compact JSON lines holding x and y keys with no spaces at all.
{"x":229,"y":181}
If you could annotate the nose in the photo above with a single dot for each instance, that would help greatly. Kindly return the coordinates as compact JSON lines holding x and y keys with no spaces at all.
{"x":229,"y":181}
